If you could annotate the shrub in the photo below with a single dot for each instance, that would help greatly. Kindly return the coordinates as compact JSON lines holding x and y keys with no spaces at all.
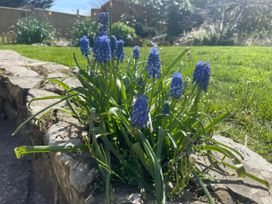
{"x":144,"y":31}
{"x":123,"y":31}
{"x":86,"y":26}
{"x":31,"y":30}
{"x":145,"y":125}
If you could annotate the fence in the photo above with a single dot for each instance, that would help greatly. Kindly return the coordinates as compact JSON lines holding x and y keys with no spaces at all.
{"x":63,"y":22}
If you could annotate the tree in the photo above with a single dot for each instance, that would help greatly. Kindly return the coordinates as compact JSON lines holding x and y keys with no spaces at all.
{"x":25,"y":3}
{"x":238,"y":17}
{"x":40,"y":3}
{"x":179,"y":15}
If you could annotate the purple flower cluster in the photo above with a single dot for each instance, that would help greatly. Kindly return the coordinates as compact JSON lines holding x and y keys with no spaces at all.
{"x":140,"y":112}
{"x":84,"y":45}
{"x":202,"y":74}
{"x":102,"y":49}
{"x":154,"y":64}
{"x":103,"y":19}
{"x":119,"y":52}
{"x":136,"y":52}
{"x":176,"y":87}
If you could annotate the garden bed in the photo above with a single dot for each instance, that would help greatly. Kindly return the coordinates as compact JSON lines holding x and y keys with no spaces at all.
{"x":70,"y":178}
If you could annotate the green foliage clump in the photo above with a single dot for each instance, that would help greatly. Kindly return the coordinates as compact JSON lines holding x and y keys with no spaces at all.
{"x":86,"y":26}
{"x":144,"y":31}
{"x":123,"y":31}
{"x":31,"y":30}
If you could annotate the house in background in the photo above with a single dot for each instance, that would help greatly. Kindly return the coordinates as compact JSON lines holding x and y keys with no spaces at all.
{"x":118,"y":8}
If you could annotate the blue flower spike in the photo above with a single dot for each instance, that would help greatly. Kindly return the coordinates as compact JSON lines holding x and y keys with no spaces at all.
{"x":154,"y":64}
{"x":84,"y":45}
{"x":176,"y":87}
{"x":202,"y":75}
{"x":119,"y":52}
{"x":140,"y":112}
{"x":103,"y":19}
{"x":102,"y":49}
{"x":136,"y":52}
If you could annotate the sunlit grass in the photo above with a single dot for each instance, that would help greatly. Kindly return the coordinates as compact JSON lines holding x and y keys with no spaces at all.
{"x":241,"y":83}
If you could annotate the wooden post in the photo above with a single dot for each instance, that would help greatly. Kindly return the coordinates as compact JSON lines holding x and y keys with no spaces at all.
{"x":3,"y":38}
{"x":13,"y":37}
{"x":8,"y":37}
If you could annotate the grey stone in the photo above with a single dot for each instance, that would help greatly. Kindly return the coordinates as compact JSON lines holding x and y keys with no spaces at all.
{"x":18,"y":87}
{"x":37,"y":106}
{"x":72,"y":82}
{"x":19,"y":71}
{"x":244,"y":189}
{"x":62,"y":133}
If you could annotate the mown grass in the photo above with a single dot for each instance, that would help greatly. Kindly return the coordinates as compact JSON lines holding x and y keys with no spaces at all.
{"x":241,"y":83}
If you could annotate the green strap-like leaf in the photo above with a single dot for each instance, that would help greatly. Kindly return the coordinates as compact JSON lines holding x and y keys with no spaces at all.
{"x":39,"y":112}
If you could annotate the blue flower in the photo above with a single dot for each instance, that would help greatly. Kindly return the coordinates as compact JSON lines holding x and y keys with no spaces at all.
{"x":101,"y":49}
{"x":113,"y":43}
{"x":103,"y":19}
{"x":154,"y":64}
{"x":136,"y":52}
{"x":140,"y":112}
{"x":176,"y":87}
{"x":84,"y":45}
{"x":202,"y":74}
{"x":119,"y":52}
{"x":166,"y":108}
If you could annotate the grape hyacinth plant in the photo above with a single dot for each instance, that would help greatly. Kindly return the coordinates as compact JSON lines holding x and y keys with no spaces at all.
{"x":119,"y":52}
{"x":139,"y":116}
{"x":136,"y":52}
{"x":176,"y":87}
{"x":145,"y":127}
{"x":84,"y":45}
{"x":154,"y":64}
{"x":102,"y":49}
{"x":202,"y":75}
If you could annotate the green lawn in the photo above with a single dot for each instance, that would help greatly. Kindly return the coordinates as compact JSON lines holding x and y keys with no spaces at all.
{"x":241,"y":83}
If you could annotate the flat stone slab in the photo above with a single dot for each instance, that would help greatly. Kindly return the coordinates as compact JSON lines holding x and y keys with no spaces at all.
{"x":39,"y":105}
{"x":248,"y":189}
{"x":18,"y":71}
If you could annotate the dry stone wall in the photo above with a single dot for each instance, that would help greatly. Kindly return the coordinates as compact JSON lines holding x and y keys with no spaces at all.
{"x":62,"y":178}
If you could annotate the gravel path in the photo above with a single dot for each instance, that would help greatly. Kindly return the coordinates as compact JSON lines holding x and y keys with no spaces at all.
{"x":16,"y":181}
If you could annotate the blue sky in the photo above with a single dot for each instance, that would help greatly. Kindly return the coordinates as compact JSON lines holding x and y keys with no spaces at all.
{"x":71,"y":6}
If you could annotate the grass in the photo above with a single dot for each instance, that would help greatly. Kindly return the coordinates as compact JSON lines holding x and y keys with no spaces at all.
{"x":241,"y":83}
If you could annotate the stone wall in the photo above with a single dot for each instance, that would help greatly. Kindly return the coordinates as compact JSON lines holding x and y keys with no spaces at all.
{"x":62,"y":178}
{"x":74,"y":178}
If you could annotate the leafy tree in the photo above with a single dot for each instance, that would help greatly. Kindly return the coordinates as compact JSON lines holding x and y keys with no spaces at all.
{"x":238,"y":17}
{"x":25,"y":3}
{"x":178,"y":14}
{"x":40,"y":3}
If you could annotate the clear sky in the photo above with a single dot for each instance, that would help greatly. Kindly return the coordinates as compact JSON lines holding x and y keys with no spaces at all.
{"x":71,"y":6}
